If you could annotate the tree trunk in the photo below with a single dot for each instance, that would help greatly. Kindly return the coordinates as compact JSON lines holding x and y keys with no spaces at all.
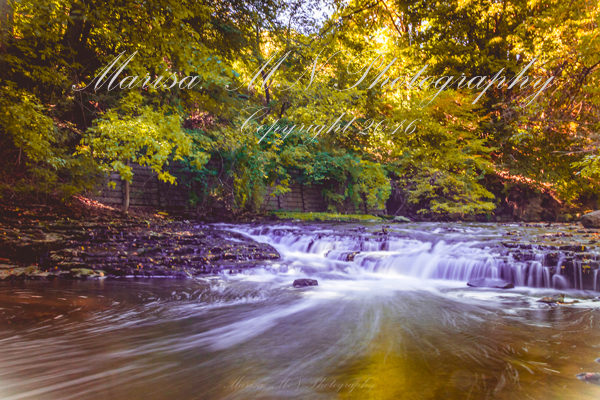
{"x":6,"y":23}
{"x":125,"y":196}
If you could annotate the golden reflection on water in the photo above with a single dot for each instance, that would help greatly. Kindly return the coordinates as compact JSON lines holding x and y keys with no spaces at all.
{"x":543,"y":368}
{"x":131,"y":340}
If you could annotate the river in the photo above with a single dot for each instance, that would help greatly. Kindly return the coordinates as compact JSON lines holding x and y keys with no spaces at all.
{"x":391,"y":318}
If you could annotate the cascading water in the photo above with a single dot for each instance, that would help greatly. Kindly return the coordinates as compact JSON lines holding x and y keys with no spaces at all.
{"x":424,"y":251}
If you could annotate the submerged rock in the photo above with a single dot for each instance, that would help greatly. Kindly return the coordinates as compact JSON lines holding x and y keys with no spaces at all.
{"x":557,"y":298}
{"x":591,"y":220}
{"x":305,"y":282}
{"x":491,"y":283}
{"x":350,"y":256}
{"x":590,"y":377}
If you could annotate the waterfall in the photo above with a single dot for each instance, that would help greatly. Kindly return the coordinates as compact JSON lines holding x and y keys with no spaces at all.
{"x":421,"y":253}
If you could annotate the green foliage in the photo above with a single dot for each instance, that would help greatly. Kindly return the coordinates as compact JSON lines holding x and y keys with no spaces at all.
{"x":442,"y":164}
{"x":55,"y":138}
{"x":589,"y":167}
{"x":30,"y":139}
{"x":23,"y":120}
{"x":316,"y":216}
{"x":148,"y":137}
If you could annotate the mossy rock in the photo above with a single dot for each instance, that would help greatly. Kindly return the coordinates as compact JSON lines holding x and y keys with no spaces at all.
{"x":82,"y":273}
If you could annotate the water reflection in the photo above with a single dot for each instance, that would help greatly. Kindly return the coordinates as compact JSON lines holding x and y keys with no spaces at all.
{"x":244,"y":339}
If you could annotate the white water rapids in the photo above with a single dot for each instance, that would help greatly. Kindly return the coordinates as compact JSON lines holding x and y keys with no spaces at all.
{"x":429,"y":252}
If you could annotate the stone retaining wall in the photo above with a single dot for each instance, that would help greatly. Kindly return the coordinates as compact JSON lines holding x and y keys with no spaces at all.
{"x":146,"y":191}
{"x":299,"y":198}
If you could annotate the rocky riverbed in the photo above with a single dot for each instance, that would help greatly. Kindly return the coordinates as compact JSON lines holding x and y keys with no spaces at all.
{"x":38,"y":245}
{"x":108,"y":246}
{"x":566,"y":248}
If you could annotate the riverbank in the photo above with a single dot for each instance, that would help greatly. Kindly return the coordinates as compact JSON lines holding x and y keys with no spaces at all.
{"x":87,"y":240}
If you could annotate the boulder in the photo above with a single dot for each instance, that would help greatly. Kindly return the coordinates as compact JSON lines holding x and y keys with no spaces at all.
{"x":305,"y":282}
{"x":591,"y":220}
{"x":400,"y":218}
{"x":557,"y":298}
{"x":490,"y":283}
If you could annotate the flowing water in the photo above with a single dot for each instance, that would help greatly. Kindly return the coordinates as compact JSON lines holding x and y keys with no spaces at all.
{"x":391,"y":318}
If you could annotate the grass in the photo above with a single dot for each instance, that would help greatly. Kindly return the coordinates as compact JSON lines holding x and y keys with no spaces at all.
{"x":324,"y":216}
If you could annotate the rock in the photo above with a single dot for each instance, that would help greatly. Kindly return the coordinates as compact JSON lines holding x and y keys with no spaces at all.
{"x":591,"y":220}
{"x":351,"y":256}
{"x":83,"y":273}
{"x":305,"y":282}
{"x":400,"y":218}
{"x":557,"y":298}
{"x":14,"y":272}
{"x":491,"y":283}
{"x":551,"y":259}
{"x":590,"y":377}
{"x":573,"y":247}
